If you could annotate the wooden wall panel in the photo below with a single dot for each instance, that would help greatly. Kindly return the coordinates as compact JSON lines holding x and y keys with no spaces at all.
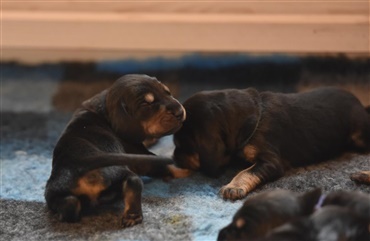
{"x":181,"y":26}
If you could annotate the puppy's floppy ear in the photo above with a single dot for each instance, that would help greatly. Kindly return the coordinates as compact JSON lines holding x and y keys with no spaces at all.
{"x":122,"y":120}
{"x":124,"y":107}
{"x":308,"y":200}
{"x":96,"y":103}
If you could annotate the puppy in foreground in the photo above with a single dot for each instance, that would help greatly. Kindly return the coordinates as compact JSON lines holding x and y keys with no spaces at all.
{"x":263,"y":212}
{"x":344,"y":216}
{"x":270,"y":132}
{"x":329,"y":223}
{"x":285,"y":215}
{"x":100,"y":153}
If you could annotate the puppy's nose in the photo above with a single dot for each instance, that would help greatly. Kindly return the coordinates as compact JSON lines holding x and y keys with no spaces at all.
{"x":178,"y":113}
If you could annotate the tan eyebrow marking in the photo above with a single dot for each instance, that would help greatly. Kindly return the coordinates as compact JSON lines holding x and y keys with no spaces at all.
{"x":149,"y":97}
{"x":240,"y":223}
{"x":166,"y":88}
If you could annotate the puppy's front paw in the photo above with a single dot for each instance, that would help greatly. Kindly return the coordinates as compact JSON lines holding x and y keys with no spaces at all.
{"x":230,"y":192}
{"x":240,"y":186}
{"x":129,"y":220}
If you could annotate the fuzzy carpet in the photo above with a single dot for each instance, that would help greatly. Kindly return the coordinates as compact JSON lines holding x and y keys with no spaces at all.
{"x":36,"y":104}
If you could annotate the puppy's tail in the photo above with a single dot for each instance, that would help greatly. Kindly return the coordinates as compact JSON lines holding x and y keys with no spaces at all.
{"x":136,"y":161}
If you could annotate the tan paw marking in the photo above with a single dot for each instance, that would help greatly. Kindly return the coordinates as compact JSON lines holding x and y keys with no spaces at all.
{"x":240,"y":186}
{"x":361,"y":177}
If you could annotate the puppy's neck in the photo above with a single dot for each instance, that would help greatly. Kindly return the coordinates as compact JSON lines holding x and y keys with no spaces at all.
{"x":258,"y":104}
{"x":97,"y":104}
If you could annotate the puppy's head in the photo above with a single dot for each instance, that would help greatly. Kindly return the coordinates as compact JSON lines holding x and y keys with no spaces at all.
{"x":186,"y":153}
{"x":140,"y":106}
{"x":193,"y":139}
{"x":265,"y":211}
{"x":218,"y":123}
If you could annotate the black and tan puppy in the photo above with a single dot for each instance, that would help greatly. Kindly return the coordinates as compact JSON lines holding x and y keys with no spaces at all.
{"x":356,"y":201}
{"x":270,"y":131}
{"x":100,"y":153}
{"x":262,"y":213}
{"x":330,"y":223}
{"x":344,"y":216}
{"x":285,"y":215}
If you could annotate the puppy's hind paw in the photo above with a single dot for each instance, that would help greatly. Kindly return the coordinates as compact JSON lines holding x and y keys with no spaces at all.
{"x":232,"y":193}
{"x":69,"y":209}
{"x":129,"y":220}
{"x":361,"y":177}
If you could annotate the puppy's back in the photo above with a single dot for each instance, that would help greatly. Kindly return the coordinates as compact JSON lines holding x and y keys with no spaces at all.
{"x":316,"y":125}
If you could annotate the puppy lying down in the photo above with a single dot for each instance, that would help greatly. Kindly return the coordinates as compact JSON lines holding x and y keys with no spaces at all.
{"x":265,"y":211}
{"x":330,"y":223}
{"x":285,"y":215}
{"x":271,"y":132}
{"x":100,"y":153}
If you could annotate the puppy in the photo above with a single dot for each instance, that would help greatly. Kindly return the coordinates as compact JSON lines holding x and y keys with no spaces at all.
{"x":285,"y":215}
{"x":271,"y":132}
{"x":265,"y":211}
{"x":358,"y":202}
{"x":100,"y":153}
{"x":330,"y":223}
{"x":344,"y":216}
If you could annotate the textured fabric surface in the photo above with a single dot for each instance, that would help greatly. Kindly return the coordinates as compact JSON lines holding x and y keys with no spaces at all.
{"x":183,"y":209}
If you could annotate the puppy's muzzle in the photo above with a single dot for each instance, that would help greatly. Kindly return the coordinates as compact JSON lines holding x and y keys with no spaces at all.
{"x":177,"y":110}
{"x":179,"y":113}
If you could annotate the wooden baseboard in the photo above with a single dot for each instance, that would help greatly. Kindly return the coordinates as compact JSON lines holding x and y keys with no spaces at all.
{"x":182,"y":32}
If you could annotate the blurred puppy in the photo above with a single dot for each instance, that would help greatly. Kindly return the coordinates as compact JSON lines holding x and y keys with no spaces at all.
{"x":100,"y":153}
{"x":344,"y":216}
{"x":265,"y":211}
{"x":331,"y":223}
{"x":269,"y":131}
{"x":358,"y":202}
{"x":339,"y":216}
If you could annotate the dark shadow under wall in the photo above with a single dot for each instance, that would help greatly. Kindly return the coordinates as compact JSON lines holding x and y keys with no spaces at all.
{"x":197,"y":72}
